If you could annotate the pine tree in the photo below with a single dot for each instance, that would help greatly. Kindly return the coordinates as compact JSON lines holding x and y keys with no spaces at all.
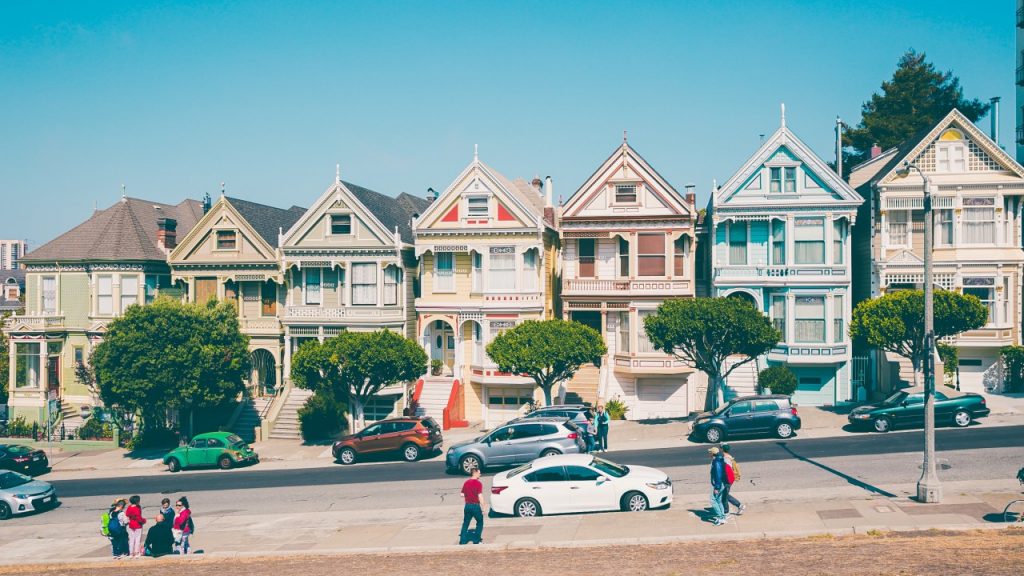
{"x":916,"y":98}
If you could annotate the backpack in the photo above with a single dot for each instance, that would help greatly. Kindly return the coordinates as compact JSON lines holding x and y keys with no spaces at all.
{"x":114,"y":526}
{"x":105,"y":524}
{"x":191,"y":525}
{"x":730,"y":476}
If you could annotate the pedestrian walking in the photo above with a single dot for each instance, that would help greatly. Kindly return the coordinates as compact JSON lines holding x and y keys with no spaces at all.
{"x":472,"y":491}
{"x":135,"y":524}
{"x":717,"y":485}
{"x":159,"y":540}
{"x":116,"y":531}
{"x":603,"y":420}
{"x":728,"y":498}
{"x":183,"y":527}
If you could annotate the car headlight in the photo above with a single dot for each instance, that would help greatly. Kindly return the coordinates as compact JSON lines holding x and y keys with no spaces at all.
{"x":702,"y":421}
{"x":663,"y":485}
{"x":862,"y":416}
{"x":21,"y":496}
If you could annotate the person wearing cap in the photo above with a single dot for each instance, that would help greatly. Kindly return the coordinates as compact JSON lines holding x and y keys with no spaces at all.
{"x":717,"y":485}
{"x":727,"y":497}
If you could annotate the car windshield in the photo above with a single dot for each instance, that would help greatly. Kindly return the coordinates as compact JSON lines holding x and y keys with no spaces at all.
{"x":610,"y":468}
{"x":895,"y":398}
{"x":235,"y":439}
{"x":12,"y":479}
{"x":240,"y":445}
{"x":18,"y":449}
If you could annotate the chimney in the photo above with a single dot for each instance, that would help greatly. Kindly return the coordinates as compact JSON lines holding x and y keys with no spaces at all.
{"x":207,"y":203}
{"x":548,"y":188}
{"x":431,"y":195}
{"x":537,"y":184}
{"x":994,"y":117}
{"x":875,"y":150}
{"x":166,"y":233}
{"x":691,"y":196}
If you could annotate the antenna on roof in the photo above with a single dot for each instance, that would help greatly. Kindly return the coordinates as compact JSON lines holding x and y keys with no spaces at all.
{"x":783,"y":114}
{"x":337,"y":173}
{"x":124,"y":198}
{"x":222,"y":189}
{"x":624,"y":137}
{"x":476,"y":152}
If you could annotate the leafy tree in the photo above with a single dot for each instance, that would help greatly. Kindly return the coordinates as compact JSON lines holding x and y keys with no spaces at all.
{"x":548,"y":351}
{"x":779,"y":379}
{"x":170,"y":355}
{"x":5,"y":360}
{"x":356,"y":365}
{"x":950,"y":356}
{"x":916,"y":98}
{"x":704,"y":332}
{"x":1013,"y":366}
{"x":895,"y":322}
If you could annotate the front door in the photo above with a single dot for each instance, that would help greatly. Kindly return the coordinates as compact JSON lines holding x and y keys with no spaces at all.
{"x":550,"y":487}
{"x":587,"y":493}
{"x":501,"y":452}
{"x":443,"y":348}
{"x":913,"y":413}
{"x":370,"y":439}
{"x":195,"y":453}
{"x":741,"y":418}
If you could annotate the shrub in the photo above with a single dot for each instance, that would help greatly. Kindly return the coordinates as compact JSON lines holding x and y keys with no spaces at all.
{"x":95,"y":429}
{"x":779,"y":379}
{"x":435,"y":367}
{"x":18,"y":428}
{"x":155,"y":438}
{"x":321,"y":417}
{"x":616,"y":409}
{"x":1013,"y":364}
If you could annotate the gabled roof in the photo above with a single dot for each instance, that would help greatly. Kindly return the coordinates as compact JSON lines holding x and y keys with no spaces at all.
{"x":267,"y":221}
{"x":392,"y":212}
{"x":784,"y":137}
{"x":124,"y":231}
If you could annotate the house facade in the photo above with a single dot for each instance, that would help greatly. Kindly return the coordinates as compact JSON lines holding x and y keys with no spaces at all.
{"x":75,"y":285}
{"x":780,"y":229}
{"x":12,"y":286}
{"x":487,"y":253}
{"x":349,"y":265}
{"x":232,"y":254}
{"x":628,"y":244}
{"x":978,"y":199}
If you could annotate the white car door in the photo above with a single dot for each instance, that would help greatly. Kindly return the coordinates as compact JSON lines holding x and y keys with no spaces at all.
{"x":549,"y":487}
{"x":590,"y":490}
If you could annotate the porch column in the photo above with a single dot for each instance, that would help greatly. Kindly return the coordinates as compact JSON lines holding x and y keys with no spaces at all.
{"x":286,"y":376}
{"x":12,"y":344}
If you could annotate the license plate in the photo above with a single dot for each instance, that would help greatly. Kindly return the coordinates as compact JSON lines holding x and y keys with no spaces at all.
{"x":48,"y":499}
{"x":35,"y":458}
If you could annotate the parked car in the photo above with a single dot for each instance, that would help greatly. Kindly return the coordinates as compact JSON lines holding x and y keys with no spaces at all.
{"x":575,"y":412}
{"x":516,"y":443}
{"x":222,"y":449}
{"x":578,"y":483}
{"x":23,"y":459}
{"x":905,"y":409}
{"x":20,"y":494}
{"x":409,"y":437}
{"x":748,"y":416}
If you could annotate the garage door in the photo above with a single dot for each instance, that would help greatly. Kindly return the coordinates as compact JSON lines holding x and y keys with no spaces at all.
{"x":659,"y":398}
{"x":975,"y":370}
{"x":504,"y":404}
{"x":815,"y":386}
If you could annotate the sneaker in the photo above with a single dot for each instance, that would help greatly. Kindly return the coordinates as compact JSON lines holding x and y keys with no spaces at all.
{"x":742,"y":509}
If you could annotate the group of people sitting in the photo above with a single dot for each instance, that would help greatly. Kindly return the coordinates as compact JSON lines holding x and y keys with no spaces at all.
{"x":169,"y":533}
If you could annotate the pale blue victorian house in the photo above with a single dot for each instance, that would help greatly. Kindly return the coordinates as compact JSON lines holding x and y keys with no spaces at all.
{"x":781,"y":240}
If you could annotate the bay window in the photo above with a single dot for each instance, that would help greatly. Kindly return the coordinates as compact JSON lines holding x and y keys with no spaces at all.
{"x":623,"y":258}
{"x":643,"y":343}
{"x":49,"y":303}
{"x":530,"y":269}
{"x":778,"y":242}
{"x":737,"y":232}
{"x":979,"y":225}
{"x":681,"y":250}
{"x":651,"y":254}
{"x":944,"y":227}
{"x":838,"y":315}
{"x":838,"y":241}
{"x":364,"y":284}
{"x":985,"y":290}
{"x":898,"y":227}
{"x":809,"y":319}
{"x":585,"y":251}
{"x":105,"y":295}
{"x":129,"y":291}
{"x":26,"y":373}
{"x":444,"y":272}
{"x":623,"y":334}
{"x":779,"y":315}
{"x":809,"y":241}
{"x":391,"y":277}
{"x":502,"y":274}
{"x":477,"y":261}
{"x":312,"y":284}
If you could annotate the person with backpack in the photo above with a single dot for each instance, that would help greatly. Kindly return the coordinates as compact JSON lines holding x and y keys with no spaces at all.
{"x":732,"y":476}
{"x":717,"y":486}
{"x":135,"y":524}
{"x":184,"y":527}
{"x":116,"y":530}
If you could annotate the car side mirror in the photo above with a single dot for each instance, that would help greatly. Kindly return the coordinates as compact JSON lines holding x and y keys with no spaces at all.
{"x":727,"y":413}
{"x":601,"y":480}
{"x":904,"y":403}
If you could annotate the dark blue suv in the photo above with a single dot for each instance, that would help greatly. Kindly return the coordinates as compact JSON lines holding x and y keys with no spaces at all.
{"x":748,"y":416}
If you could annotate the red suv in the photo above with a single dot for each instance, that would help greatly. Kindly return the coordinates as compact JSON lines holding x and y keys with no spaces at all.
{"x":410,"y":437}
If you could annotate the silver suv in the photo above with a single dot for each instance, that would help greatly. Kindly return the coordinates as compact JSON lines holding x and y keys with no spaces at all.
{"x":516,"y":443}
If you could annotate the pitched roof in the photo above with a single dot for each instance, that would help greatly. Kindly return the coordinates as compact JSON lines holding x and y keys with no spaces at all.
{"x":267,"y":221}
{"x":392,"y":212}
{"x":124,"y":231}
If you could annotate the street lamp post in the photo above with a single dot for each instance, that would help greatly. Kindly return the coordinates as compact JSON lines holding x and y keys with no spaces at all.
{"x":928,"y":488}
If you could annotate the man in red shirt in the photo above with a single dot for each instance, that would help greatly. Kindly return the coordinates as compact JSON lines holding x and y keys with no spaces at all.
{"x":472,"y":491}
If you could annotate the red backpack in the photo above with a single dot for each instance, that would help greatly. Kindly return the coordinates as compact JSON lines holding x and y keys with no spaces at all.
{"x":730,"y":475}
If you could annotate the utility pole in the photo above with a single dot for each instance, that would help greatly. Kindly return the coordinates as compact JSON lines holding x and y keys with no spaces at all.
{"x":928,"y":487}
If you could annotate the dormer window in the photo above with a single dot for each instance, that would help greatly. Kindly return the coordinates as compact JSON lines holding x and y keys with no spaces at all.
{"x":625,"y":193}
{"x":227,"y":240}
{"x":341,"y":224}
{"x":783,"y":179}
{"x":951,"y":152}
{"x":477,"y":206}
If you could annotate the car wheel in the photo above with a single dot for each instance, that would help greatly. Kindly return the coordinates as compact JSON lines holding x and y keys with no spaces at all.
{"x":468,"y":463}
{"x":714,"y":434}
{"x":173,"y":465}
{"x":549,"y":452}
{"x":5,"y":511}
{"x":634,"y":502}
{"x":410,"y":452}
{"x":784,"y":430}
{"x":347,"y":456}
{"x":882,"y":425}
{"x":527,"y":508}
{"x":224,"y":462}
{"x":962,"y":418}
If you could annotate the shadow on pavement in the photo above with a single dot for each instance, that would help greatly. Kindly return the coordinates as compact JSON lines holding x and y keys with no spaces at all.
{"x":705,"y":514}
{"x":850,"y":479}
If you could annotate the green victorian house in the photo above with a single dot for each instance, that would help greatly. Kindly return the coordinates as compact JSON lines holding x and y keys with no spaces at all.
{"x":75,"y":285}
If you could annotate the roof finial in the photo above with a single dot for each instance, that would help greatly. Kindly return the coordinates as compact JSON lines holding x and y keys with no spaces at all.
{"x":222,"y":189}
{"x":123,"y":195}
{"x":783,"y":114}
{"x":337,"y":173}
{"x":624,"y":137}
{"x":476,"y":152}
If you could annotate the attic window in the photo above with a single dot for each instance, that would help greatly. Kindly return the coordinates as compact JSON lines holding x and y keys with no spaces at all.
{"x":226,"y":240}
{"x":477,"y":206}
{"x":783,"y":179}
{"x":341,"y":224}
{"x":625,"y":193}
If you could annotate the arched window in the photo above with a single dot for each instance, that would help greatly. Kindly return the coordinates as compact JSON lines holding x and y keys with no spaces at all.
{"x":951,"y":152}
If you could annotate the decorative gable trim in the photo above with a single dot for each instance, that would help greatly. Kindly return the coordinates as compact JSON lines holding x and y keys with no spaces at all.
{"x":905,"y":257}
{"x":497,"y":185}
{"x":214,"y":220}
{"x":337,"y":195}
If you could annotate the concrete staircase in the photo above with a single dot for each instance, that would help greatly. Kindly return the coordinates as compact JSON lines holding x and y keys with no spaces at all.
{"x":250,"y":417}
{"x":742,"y":381}
{"x":286,"y":427}
{"x":906,"y":370}
{"x":434,"y":396}
{"x":68,"y":423}
{"x":584,"y":386}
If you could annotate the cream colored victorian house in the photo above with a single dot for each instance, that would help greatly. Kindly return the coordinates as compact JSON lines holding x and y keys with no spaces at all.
{"x":232,"y":254}
{"x":349,"y":265}
{"x":628,"y":240}
{"x":487,"y":249}
{"x":978,"y":199}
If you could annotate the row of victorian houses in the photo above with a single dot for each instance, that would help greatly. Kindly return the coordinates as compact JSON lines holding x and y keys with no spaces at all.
{"x":455,"y":269}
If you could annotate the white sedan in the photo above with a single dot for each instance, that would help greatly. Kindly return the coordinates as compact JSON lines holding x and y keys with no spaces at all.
{"x":567,"y":483}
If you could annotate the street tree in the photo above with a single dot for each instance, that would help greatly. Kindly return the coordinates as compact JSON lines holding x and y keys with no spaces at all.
{"x":915,"y":99}
{"x":704,"y":332}
{"x":170,"y":355}
{"x":357,"y":365}
{"x":895,"y":322}
{"x":547,"y":351}
{"x":5,"y":360}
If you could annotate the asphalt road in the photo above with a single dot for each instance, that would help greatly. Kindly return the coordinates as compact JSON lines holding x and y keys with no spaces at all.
{"x":979,"y":437}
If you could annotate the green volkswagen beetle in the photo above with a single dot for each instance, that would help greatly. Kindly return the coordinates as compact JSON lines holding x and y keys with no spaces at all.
{"x":905,"y":409}
{"x":222,"y":449}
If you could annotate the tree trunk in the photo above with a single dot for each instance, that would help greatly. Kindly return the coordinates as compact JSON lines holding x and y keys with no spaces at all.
{"x":711,"y":397}
{"x":547,"y":394}
{"x":915,"y":366}
{"x":357,"y":407}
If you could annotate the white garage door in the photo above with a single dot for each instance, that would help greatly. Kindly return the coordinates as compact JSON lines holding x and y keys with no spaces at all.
{"x":660,"y":398}
{"x":504,"y":404}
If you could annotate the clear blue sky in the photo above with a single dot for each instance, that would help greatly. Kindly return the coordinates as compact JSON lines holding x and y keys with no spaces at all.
{"x":172,"y":98}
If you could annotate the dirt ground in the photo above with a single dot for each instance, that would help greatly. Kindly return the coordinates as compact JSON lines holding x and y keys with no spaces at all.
{"x":991,"y":553}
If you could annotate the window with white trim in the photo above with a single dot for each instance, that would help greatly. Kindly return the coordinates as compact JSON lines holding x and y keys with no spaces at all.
{"x":444,"y":272}
{"x":227,"y":240}
{"x":809,"y":319}
{"x":775,"y":180}
{"x":778,"y":242}
{"x":530,"y":269}
{"x":623,"y":334}
{"x":625,"y":194}
{"x":623,"y":258}
{"x":979,"y":221}
{"x":838,"y":241}
{"x":502,"y":268}
{"x":650,"y":254}
{"x":944,"y":227}
{"x":129,"y":291}
{"x":737,"y":238}
{"x":49,"y":303}
{"x":391,"y":278}
{"x":312,"y":284}
{"x":951,"y":157}
{"x":105,"y":295}
{"x":838,"y":317}
{"x":985,"y":290}
{"x":898,"y":222}
{"x":643,"y":344}
{"x":477,"y":206}
{"x":809,"y":241}
{"x":477,"y":260}
{"x":26,"y":370}
{"x":341,"y":224}
{"x":779,"y":315}
{"x":364,"y":284}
